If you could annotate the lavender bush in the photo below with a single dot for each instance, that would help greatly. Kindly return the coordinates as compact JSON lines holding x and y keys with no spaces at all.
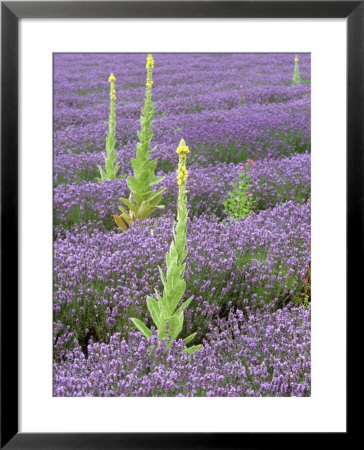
{"x":247,"y":278}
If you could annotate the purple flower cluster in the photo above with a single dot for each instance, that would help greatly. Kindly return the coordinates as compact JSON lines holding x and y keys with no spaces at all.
{"x":254,"y":355}
{"x":247,"y":279}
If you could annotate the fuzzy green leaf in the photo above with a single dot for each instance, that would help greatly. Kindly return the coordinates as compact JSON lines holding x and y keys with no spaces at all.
{"x":184,"y":305}
{"x":175,"y":295}
{"x":155,"y":195}
{"x":102,"y":173}
{"x":129,"y":204}
{"x":144,"y":211}
{"x":157,"y":180}
{"x":163,"y":278}
{"x":189,"y":338}
{"x":193,"y":349}
{"x":123,"y":210}
{"x":162,"y":329}
{"x":139,"y":199}
{"x":154,"y":310}
{"x":133,"y":184}
{"x":143,"y":328}
{"x":175,"y":325}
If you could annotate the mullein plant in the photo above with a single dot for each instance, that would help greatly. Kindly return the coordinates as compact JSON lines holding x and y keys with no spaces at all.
{"x":111,"y":165}
{"x":142,"y":200}
{"x":163,"y":310}
{"x":240,"y":203}
{"x":296,"y":73}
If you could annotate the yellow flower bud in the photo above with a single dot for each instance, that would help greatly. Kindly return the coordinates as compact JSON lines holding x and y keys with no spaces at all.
{"x":111,"y":78}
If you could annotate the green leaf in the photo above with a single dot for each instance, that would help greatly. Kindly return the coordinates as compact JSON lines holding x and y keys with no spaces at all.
{"x":189,"y":338}
{"x":176,"y":294}
{"x":129,"y":204}
{"x":143,"y":328}
{"x":102,"y":173}
{"x":184,"y":306}
{"x":123,"y":210}
{"x":157,"y":180}
{"x":155,"y":196}
{"x":135,"y":163}
{"x":162,"y":330}
{"x":144,"y":211}
{"x":143,"y":180}
{"x":133,"y":184}
{"x":139,"y":199}
{"x":159,"y":298}
{"x":154,"y":310}
{"x":175,"y":325}
{"x":193,"y":349}
{"x":163,"y":278}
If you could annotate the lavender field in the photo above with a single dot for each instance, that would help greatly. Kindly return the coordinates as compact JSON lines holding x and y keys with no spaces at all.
{"x":198,"y":282}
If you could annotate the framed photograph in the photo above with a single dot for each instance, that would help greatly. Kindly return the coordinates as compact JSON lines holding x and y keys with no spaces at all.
{"x":181,"y":200}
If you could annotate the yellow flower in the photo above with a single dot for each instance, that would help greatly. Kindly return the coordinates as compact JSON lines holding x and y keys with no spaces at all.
{"x":182,"y":175}
{"x":150,"y":62}
{"x":149,"y":84}
{"x":111,"y":78}
{"x":296,"y":60}
{"x":182,"y":150}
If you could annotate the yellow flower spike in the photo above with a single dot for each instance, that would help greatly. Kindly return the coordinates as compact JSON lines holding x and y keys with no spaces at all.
{"x":149,"y":84}
{"x":111,"y":78}
{"x":182,"y":172}
{"x":150,"y":62}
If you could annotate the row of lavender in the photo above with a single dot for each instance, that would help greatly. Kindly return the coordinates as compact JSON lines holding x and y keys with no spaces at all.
{"x":254,"y":132}
{"x":272,"y":182}
{"x":244,"y":276}
{"x":265,"y":355}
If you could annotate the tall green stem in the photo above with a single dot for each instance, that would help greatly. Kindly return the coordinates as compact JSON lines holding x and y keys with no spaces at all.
{"x":142,"y":200}
{"x":165,"y":314}
{"x":111,"y":164}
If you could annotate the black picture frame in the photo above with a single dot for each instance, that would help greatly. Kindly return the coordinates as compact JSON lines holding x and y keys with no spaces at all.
{"x":11,"y":12}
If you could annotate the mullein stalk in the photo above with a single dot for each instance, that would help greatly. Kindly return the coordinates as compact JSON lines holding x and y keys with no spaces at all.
{"x":165,"y":314}
{"x":296,"y":73}
{"x":142,"y":200}
{"x":240,"y":203}
{"x":111,"y":165}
